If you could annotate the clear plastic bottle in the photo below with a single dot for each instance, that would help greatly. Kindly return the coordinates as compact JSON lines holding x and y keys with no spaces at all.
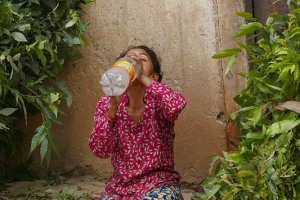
{"x":115,"y":80}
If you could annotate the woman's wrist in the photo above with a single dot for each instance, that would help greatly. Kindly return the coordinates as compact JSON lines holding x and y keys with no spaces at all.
{"x":111,"y":118}
{"x":112,"y":111}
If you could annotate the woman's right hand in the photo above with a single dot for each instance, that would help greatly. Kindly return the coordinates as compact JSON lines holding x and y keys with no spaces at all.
{"x":113,"y":108}
{"x":141,"y":75}
{"x":140,"y":69}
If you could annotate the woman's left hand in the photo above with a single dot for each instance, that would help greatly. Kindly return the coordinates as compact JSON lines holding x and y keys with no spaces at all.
{"x":141,"y":71}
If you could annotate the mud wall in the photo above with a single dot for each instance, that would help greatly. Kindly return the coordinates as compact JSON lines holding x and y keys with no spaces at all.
{"x":185,"y":34}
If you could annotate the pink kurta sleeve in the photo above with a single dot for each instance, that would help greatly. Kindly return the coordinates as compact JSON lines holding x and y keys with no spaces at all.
{"x":170,"y":102}
{"x":103,"y":138}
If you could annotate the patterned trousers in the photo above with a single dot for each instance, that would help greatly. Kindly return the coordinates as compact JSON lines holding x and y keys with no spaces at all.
{"x":166,"y":192}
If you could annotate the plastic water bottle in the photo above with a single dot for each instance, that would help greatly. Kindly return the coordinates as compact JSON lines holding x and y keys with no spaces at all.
{"x":115,"y":80}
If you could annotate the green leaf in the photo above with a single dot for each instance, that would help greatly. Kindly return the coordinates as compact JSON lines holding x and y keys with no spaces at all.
{"x":54,"y":109}
{"x":5,"y":41}
{"x":34,"y":1}
{"x":269,"y":21}
{"x":50,"y":115}
{"x":255,"y":136}
{"x":213,"y":190}
{"x":4,"y":54}
{"x":76,"y":40}
{"x":38,"y":137}
{"x":249,"y":28}
{"x":41,"y":56}
{"x":295,"y":32}
{"x":246,"y":15}
{"x":24,"y":27}
{"x":39,"y":103}
{"x":296,"y":10}
{"x":18,"y":36}
{"x":10,"y":59}
{"x":63,"y":87}
{"x":257,"y":113}
{"x":230,"y":64}
{"x":45,"y":151}
{"x":53,"y":143}
{"x":298,"y":143}
{"x":226,"y":53}
{"x":274,"y":87}
{"x":52,"y":51}
{"x":40,"y":80}
{"x":214,"y":160}
{"x":245,"y":46}
{"x":17,"y":56}
{"x":54,"y":97}
{"x":3,"y":126}
{"x":70,"y":23}
{"x":34,"y":66}
{"x":19,"y":100}
{"x":282,"y":126}
{"x":7,"y":111}
{"x":246,"y":174}
{"x":68,"y":38}
{"x":233,"y":114}
{"x":29,"y":47}
{"x":41,"y":44}
{"x":23,"y":106}
{"x":235,"y":157}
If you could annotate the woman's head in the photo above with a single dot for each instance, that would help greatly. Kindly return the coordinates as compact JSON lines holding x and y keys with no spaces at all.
{"x":150,"y":54}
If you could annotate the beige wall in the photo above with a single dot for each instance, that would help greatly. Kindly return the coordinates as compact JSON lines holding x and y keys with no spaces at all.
{"x":185,"y":34}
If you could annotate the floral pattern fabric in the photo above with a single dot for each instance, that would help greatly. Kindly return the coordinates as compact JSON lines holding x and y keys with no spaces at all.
{"x":165,"y":192}
{"x":141,"y":153}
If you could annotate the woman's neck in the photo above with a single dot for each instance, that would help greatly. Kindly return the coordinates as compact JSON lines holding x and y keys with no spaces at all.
{"x":136,"y":94}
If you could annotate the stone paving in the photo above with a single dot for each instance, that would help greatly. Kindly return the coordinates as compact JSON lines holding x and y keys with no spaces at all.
{"x":79,"y":186}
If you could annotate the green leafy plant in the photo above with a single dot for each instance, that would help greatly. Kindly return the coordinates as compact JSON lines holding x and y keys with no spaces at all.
{"x":36,"y":38}
{"x":68,"y":193}
{"x":267,"y":162}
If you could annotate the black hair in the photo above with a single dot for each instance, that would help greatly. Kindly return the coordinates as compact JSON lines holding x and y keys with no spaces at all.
{"x":154,"y":58}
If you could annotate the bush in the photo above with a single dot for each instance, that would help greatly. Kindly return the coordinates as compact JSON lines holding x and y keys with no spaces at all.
{"x":267,"y":162}
{"x":36,"y":38}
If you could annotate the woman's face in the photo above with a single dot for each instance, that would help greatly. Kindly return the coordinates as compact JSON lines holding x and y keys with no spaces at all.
{"x":145,"y":59}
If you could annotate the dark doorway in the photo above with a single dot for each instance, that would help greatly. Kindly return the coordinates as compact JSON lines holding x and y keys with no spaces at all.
{"x":262,"y":8}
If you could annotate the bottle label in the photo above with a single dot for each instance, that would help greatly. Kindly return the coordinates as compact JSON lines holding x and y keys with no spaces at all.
{"x":127,"y":66}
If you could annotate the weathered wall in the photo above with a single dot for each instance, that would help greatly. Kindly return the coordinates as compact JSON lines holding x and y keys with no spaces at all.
{"x":228,"y":23}
{"x":185,"y":34}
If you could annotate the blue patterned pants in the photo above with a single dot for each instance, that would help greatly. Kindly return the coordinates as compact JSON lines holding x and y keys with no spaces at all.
{"x":165,"y":192}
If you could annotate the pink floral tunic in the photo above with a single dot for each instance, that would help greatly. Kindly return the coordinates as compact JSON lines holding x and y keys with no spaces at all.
{"x":142,"y":153}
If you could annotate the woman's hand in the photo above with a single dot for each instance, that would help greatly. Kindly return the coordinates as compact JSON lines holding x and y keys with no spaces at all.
{"x":140,"y":69}
{"x":114,"y":104}
{"x":141,"y":75}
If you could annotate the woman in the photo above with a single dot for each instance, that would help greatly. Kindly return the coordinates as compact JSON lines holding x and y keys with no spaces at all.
{"x":137,"y":130}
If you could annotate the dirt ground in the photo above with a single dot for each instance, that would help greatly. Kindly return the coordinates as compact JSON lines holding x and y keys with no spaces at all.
{"x":86,"y":185}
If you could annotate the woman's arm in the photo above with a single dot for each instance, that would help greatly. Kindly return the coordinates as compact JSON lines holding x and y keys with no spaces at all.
{"x":170,"y":101}
{"x":103,"y":138}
